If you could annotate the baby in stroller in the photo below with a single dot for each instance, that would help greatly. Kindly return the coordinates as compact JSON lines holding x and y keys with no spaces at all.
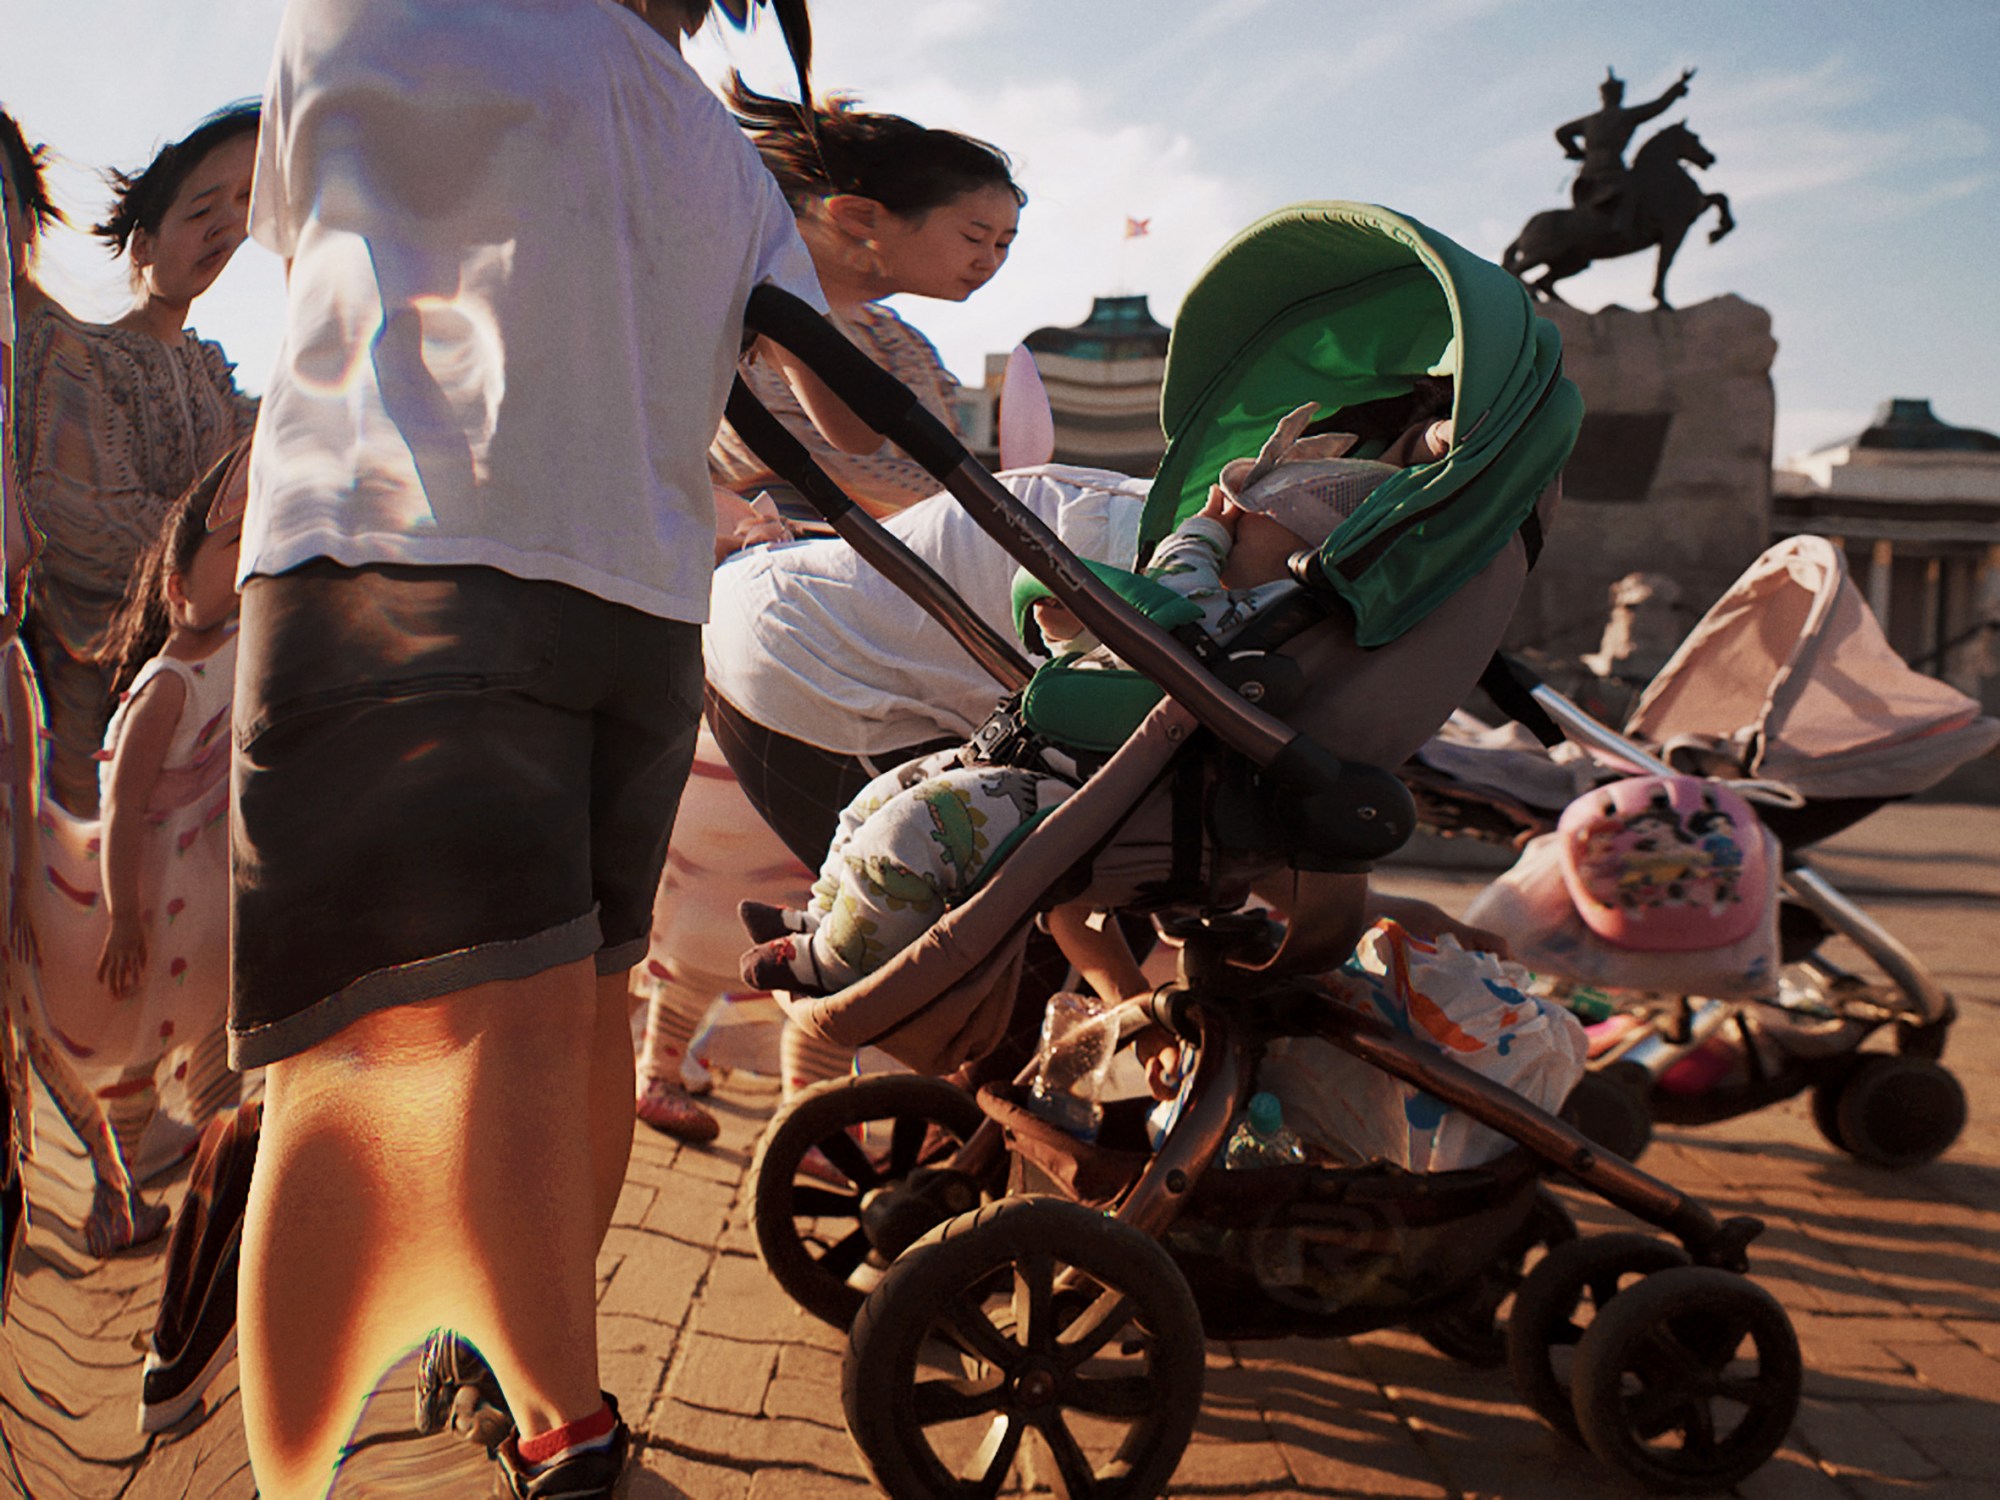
{"x":919,"y":838}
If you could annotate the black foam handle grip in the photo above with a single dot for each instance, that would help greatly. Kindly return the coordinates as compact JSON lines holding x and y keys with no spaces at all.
{"x":876,"y":396}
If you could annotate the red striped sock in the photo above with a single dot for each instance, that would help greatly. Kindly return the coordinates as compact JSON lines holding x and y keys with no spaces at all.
{"x":584,"y":1432}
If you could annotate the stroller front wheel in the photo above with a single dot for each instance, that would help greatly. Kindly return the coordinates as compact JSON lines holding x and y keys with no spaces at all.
{"x":1033,"y":1315}
{"x":1689,"y":1381}
{"x":1558,"y":1303}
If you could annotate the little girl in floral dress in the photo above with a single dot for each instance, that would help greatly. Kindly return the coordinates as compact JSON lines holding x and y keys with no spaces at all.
{"x":130,"y":912}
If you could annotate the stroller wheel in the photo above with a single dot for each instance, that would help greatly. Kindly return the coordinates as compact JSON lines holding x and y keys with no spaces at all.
{"x":1033,"y":1315}
{"x":1558,"y":1303}
{"x":851,"y":1172}
{"x":1609,"y":1105}
{"x":1472,"y":1327}
{"x":1825,"y":1098}
{"x":1689,"y":1381}
{"x":1895,"y":1111}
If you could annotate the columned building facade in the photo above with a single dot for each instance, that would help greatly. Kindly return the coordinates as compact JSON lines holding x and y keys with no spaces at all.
{"x":1916,"y":504}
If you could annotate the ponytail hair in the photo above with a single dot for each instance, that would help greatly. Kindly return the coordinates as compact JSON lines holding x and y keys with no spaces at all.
{"x":25,"y":166}
{"x":840,"y":148}
{"x":142,"y":622}
{"x":794,"y":25}
{"x":140,"y":199}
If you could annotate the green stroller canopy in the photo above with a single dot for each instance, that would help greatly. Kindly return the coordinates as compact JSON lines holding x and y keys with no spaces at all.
{"x":1344,"y":303}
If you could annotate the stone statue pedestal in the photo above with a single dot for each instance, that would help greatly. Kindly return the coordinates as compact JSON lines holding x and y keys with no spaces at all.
{"x":1672,"y":472}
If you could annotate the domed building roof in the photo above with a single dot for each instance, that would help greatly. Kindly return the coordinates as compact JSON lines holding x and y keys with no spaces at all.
{"x":1909,"y":425}
{"x":1117,"y":328}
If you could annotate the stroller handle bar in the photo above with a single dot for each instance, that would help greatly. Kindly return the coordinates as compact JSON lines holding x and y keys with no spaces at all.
{"x":885,"y":404}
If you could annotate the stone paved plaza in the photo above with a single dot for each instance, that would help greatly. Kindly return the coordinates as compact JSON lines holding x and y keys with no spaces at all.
{"x":1892,"y":1280}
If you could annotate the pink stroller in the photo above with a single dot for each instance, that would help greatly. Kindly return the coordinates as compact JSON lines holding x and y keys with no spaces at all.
{"x":1787,"y":683}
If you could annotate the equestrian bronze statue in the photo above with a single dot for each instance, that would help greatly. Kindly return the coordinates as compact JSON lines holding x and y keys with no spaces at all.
{"x":1620,"y":210}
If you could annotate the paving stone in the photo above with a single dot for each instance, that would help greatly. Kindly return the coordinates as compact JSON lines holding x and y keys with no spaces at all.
{"x":1851,"y":1440}
{"x":687,"y":1217}
{"x":707,"y":1434}
{"x":791,"y":1484}
{"x":1791,"y":1475}
{"x":1961,"y":1437}
{"x":722,"y":1374}
{"x":633,"y":1201}
{"x":806,"y":1401}
{"x":679,"y":1476}
{"x":1954,"y":1368}
{"x":714,"y":1164}
{"x":659,"y":1285}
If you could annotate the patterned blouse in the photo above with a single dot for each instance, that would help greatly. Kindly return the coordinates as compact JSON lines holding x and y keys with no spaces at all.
{"x":111,"y":426}
{"x":881,"y":481}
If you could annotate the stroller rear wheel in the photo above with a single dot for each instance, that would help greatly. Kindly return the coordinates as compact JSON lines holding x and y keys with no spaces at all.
{"x":851,"y":1172}
{"x":1891,"y":1111}
{"x":1689,"y":1381}
{"x":1031,"y":1315}
{"x":1558,"y":1303}
{"x":1472,"y":1327}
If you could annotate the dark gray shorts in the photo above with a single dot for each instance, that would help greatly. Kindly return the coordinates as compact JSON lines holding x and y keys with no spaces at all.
{"x":443,"y":776}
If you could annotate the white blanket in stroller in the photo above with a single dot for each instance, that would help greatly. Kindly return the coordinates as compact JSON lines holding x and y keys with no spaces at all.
{"x":1473,"y":1007}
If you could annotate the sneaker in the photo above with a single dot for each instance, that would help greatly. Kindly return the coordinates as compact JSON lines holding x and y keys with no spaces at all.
{"x":669,"y":1109}
{"x":458,"y":1392}
{"x":600,"y":1474}
{"x":174,"y":1380}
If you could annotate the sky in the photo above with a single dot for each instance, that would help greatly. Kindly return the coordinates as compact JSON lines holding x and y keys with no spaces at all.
{"x":1858,"y":142}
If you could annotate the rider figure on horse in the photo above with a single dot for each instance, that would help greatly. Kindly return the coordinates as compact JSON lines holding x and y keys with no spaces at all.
{"x":1599,"y":139}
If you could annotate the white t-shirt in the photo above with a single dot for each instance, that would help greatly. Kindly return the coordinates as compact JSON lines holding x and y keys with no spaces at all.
{"x":521,"y":235}
{"x":809,"y":640}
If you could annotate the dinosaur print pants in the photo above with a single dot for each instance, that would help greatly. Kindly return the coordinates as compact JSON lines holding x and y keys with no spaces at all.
{"x":913,"y":843}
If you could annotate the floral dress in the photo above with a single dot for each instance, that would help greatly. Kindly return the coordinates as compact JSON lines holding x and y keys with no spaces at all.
{"x":111,"y":426}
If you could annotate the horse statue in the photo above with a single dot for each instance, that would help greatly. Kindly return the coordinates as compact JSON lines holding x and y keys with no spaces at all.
{"x":1664,"y":203}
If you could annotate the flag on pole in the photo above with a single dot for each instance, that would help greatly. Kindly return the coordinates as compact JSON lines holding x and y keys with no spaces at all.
{"x":1137,"y":228}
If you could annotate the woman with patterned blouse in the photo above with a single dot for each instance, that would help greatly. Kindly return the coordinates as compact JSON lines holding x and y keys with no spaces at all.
{"x":884,"y":206}
{"x":113,"y":422}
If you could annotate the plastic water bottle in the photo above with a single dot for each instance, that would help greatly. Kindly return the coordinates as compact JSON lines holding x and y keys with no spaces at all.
{"x":1077,"y":1043}
{"x":1261,"y":1137}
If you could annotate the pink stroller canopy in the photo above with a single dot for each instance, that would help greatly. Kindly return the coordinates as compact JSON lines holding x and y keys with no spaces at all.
{"x":1790,"y":678}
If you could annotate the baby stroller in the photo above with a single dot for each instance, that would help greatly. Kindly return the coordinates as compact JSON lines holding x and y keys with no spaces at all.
{"x":1078,"y":1310}
{"x":1789,"y":685}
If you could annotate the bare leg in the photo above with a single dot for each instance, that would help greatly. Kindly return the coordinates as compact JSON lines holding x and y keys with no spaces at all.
{"x":612,"y":1081}
{"x":436,"y":1163}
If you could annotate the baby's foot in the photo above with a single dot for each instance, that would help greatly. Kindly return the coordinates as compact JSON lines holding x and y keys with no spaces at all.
{"x":793,"y":964}
{"x":120,"y":1218}
{"x":765,"y":922}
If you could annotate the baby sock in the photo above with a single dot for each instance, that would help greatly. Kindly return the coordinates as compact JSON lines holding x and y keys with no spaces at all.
{"x":796,"y":965}
{"x":764,"y":922}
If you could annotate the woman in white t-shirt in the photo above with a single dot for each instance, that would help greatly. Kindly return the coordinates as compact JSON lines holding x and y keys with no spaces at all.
{"x":521,"y":235}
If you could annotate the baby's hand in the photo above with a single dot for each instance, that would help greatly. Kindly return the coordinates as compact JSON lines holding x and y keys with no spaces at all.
{"x":1057,"y":622}
{"x":123,"y":959}
{"x":1221,"y":509}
